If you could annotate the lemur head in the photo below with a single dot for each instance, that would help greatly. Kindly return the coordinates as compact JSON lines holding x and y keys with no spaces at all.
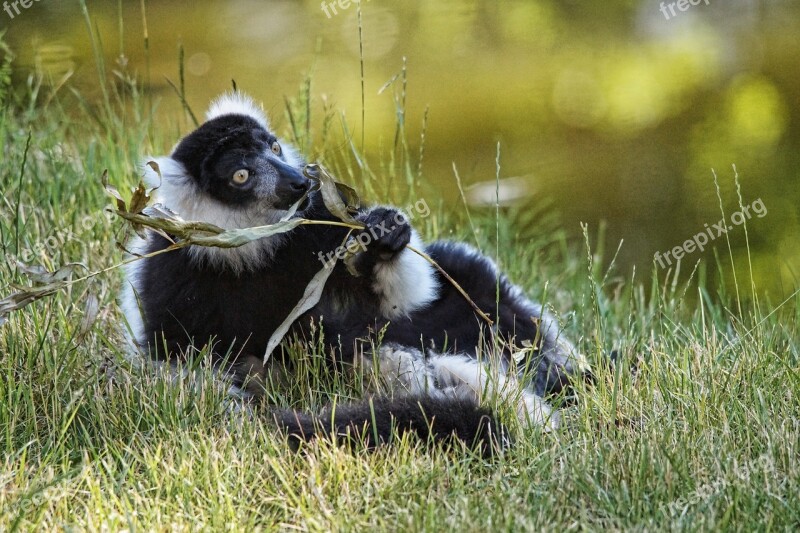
{"x":233,"y":172}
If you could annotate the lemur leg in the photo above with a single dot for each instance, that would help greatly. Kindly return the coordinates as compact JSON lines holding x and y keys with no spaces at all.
{"x":404,"y":370}
{"x":520,"y":321}
{"x":406,"y":284}
{"x":556,"y":360}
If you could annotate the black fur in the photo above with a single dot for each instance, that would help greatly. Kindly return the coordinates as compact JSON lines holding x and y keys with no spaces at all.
{"x":189,"y":303}
{"x":375,"y":421}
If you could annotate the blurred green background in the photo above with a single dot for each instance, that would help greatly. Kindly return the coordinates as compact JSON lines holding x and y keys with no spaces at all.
{"x":608,"y":111}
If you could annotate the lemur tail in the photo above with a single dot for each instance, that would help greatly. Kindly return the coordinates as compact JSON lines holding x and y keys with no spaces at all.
{"x":376,"y":420}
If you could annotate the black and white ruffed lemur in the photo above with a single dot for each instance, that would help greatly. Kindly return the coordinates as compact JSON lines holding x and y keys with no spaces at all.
{"x":233,"y":172}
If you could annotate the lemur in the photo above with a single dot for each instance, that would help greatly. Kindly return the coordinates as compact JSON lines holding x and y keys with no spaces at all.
{"x":435,"y":353}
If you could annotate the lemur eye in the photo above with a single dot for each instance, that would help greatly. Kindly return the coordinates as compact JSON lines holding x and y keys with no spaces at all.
{"x":276,"y":148}
{"x":240,"y":177}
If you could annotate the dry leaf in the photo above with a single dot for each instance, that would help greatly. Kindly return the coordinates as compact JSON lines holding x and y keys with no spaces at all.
{"x":90,"y":315}
{"x":233,"y":238}
{"x":45,"y":283}
{"x":310,"y":298}
{"x":113,"y":192}
{"x":330,"y":193}
{"x":293,"y":210}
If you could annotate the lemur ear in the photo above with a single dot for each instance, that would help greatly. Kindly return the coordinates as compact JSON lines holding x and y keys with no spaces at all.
{"x":237,"y":103}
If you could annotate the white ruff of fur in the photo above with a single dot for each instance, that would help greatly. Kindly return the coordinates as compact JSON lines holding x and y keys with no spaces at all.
{"x":236,"y":103}
{"x":179,"y":193}
{"x":129,"y":303}
{"x":406,"y":283}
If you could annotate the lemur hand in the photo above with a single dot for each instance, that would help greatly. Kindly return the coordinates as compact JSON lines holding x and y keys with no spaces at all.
{"x":386,"y":234}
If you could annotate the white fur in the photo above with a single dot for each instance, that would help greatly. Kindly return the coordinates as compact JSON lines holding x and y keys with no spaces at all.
{"x":407,"y":371}
{"x":406,"y":283}
{"x":179,"y":193}
{"x":129,"y":303}
{"x":403,"y":370}
{"x":464,"y":372}
{"x":237,"y":103}
{"x":291,"y":156}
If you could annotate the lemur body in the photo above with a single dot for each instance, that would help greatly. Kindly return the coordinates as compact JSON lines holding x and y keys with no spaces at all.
{"x":234,"y":173}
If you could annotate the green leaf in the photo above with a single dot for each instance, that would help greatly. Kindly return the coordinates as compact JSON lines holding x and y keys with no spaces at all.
{"x":350,"y":196}
{"x":140,"y":198}
{"x":39,"y":274}
{"x":174,"y":225}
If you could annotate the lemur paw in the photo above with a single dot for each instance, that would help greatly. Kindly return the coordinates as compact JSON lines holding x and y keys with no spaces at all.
{"x":386,"y":234}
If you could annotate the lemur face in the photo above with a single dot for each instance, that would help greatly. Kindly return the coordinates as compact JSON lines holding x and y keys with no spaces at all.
{"x":231,"y":172}
{"x":235,"y":160}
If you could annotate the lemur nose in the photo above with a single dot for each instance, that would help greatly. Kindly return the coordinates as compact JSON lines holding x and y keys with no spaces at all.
{"x":291,"y":176}
{"x":300,"y":186}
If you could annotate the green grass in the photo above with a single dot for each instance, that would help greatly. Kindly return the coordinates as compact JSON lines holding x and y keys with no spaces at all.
{"x":696,"y":428}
